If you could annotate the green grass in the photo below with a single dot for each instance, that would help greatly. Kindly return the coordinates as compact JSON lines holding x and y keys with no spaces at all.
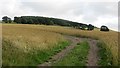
{"x":77,"y":57}
{"x":104,"y":55}
{"x":13,"y":56}
{"x":111,"y":44}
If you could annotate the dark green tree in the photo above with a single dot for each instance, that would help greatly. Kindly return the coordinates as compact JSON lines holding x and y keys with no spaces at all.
{"x":9,"y":20}
{"x":17,"y":19}
{"x":5,"y":19}
{"x":90,"y":27}
{"x":104,"y":28}
{"x":48,"y":21}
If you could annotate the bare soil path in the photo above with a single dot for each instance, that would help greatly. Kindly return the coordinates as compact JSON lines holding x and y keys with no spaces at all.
{"x":64,"y":52}
{"x":92,"y":56}
{"x":93,"y":53}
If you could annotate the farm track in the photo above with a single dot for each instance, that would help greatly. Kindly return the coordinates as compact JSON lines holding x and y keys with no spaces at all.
{"x":92,"y":56}
{"x":93,"y":53}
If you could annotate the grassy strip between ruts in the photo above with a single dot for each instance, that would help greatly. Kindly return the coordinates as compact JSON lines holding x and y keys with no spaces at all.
{"x":104,"y":55}
{"x":77,"y":57}
{"x":12,"y":56}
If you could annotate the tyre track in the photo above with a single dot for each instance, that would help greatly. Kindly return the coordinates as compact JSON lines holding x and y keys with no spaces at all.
{"x":92,"y":56}
{"x":64,"y":52}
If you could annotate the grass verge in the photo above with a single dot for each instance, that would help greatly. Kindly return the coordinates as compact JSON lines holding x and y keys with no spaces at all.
{"x":13,"y":56}
{"x":104,"y":55}
{"x":77,"y":57}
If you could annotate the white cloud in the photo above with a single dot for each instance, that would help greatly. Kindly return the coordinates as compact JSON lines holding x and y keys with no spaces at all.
{"x":112,"y":22}
{"x":93,"y":11}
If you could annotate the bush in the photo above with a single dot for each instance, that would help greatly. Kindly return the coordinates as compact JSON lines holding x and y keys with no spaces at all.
{"x":104,"y":28}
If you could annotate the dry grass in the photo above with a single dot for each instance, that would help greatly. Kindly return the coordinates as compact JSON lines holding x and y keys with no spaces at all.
{"x":109,"y":38}
{"x":27,"y":45}
{"x":42,"y":35}
{"x":26,"y":37}
{"x":0,"y":44}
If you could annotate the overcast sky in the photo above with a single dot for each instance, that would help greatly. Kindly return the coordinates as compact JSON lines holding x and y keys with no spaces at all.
{"x":103,"y":12}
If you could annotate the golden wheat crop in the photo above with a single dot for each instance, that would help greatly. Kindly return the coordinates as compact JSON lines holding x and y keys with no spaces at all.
{"x":40,"y":35}
{"x":25,"y":37}
{"x":109,"y":38}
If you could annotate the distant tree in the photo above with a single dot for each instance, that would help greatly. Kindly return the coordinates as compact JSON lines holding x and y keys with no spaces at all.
{"x":6,"y":19}
{"x":51,"y":23}
{"x":24,"y":20}
{"x":90,"y":27}
{"x":83,"y":27}
{"x":104,"y":28}
{"x":17,"y":19}
{"x":48,"y":21}
{"x":9,"y":20}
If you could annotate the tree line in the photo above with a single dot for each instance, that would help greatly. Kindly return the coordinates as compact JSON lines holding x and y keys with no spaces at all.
{"x":48,"y":21}
{"x":6,"y":19}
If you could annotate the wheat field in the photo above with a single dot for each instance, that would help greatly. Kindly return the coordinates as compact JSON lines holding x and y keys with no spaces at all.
{"x":26,"y":36}
{"x":109,"y":38}
{"x":23,"y":40}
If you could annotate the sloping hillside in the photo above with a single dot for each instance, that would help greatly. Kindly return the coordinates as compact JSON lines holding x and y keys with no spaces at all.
{"x":46,"y":36}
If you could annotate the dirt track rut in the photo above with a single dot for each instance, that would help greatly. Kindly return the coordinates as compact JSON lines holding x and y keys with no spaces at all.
{"x":93,"y":53}
{"x":64,"y":52}
{"x":92,"y":56}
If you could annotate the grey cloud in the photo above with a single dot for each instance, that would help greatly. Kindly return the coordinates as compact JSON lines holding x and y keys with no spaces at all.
{"x":66,"y":9}
{"x":98,"y":8}
{"x":46,"y":8}
{"x":89,"y":18}
{"x":93,"y":10}
{"x":90,"y":11}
